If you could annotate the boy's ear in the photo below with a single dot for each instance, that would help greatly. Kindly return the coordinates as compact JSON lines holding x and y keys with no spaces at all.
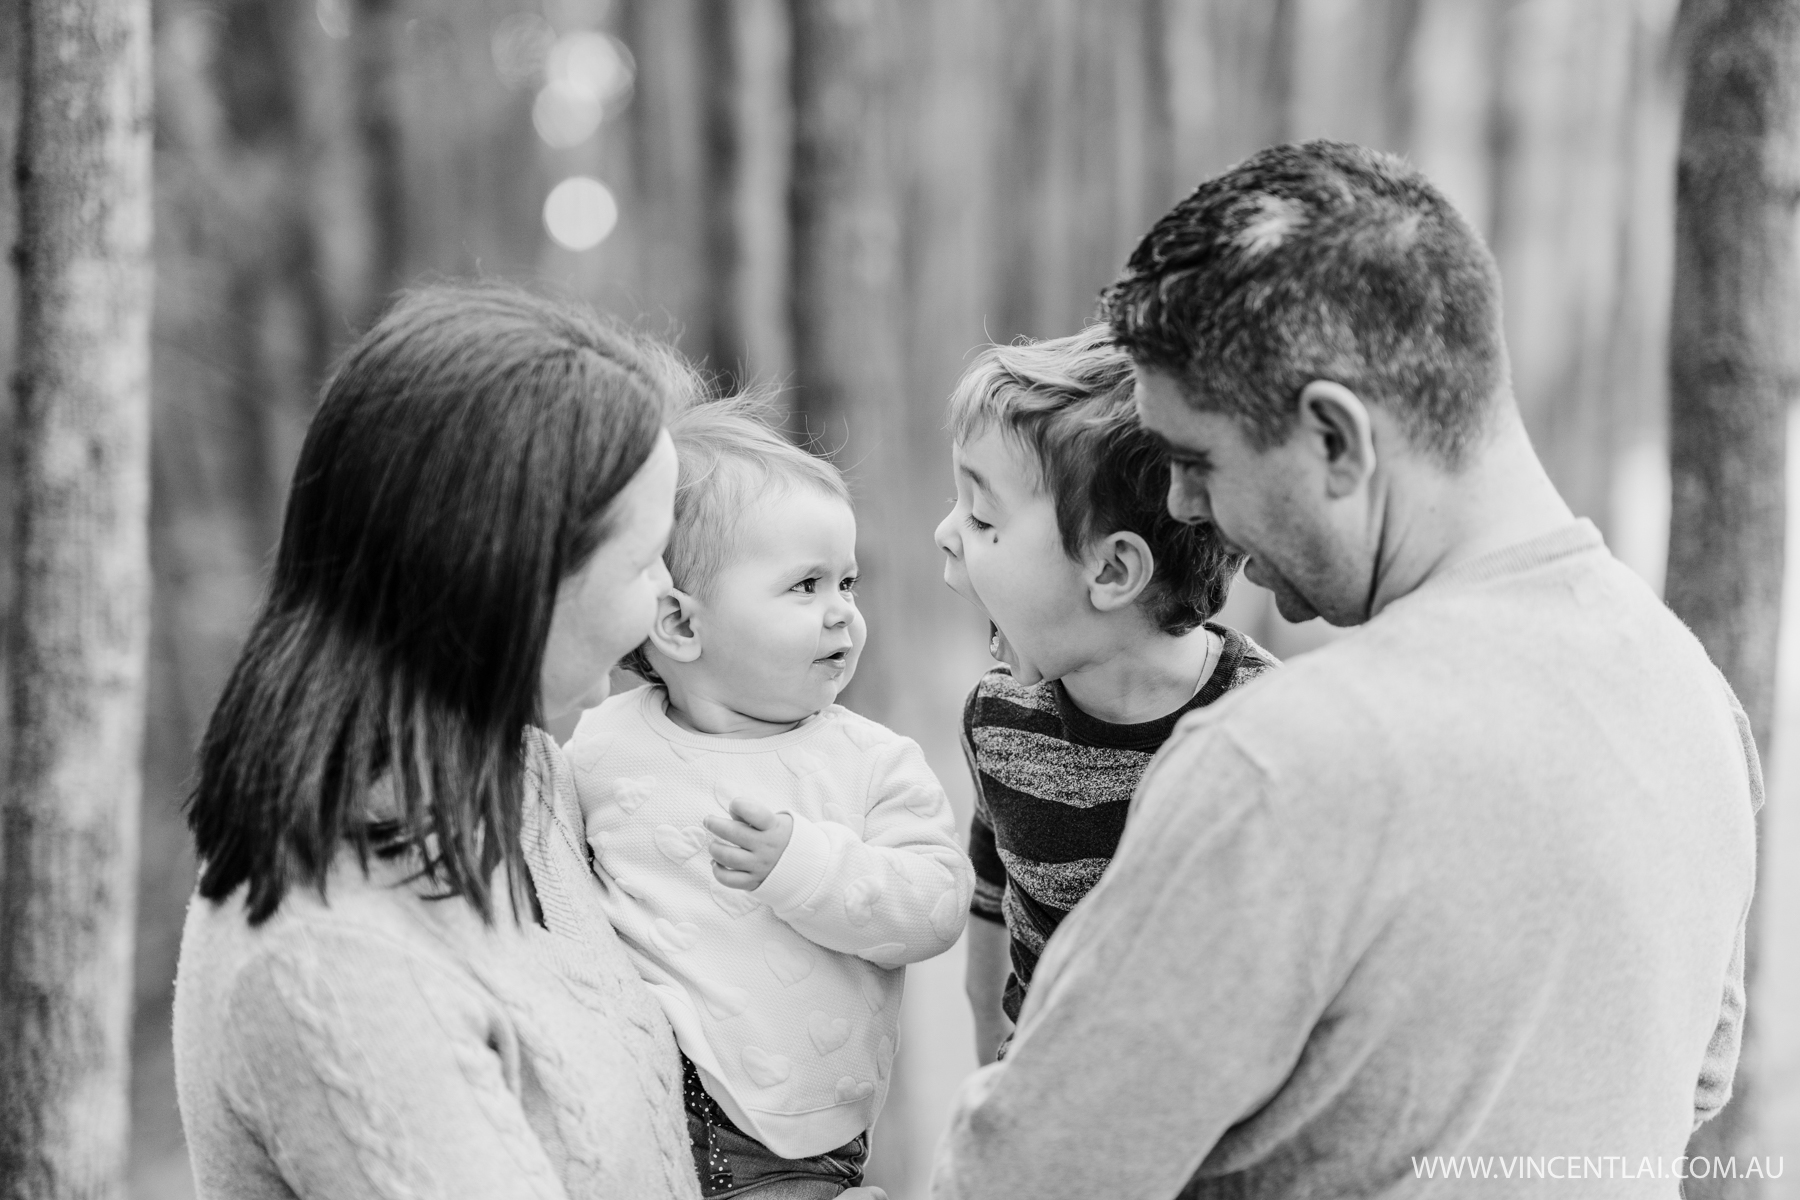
{"x":672,"y":633}
{"x":1119,"y":568}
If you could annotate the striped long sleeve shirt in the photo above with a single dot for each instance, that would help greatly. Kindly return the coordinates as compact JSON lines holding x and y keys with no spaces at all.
{"x":1052,"y":787}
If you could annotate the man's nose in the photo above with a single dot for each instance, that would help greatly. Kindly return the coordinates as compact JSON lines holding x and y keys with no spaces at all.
{"x":1188,"y":504}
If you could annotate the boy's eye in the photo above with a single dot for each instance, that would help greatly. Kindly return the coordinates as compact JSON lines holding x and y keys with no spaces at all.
{"x":977,"y":525}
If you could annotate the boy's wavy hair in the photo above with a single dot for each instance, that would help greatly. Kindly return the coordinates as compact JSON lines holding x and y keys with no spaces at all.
{"x":463,"y":463}
{"x":1068,"y":403}
{"x":730,"y":449}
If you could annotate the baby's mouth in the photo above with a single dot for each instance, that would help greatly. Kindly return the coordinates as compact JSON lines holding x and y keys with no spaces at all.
{"x":835,"y":659}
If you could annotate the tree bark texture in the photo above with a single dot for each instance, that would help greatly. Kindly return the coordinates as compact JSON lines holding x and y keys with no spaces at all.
{"x":1733,"y":375}
{"x":80,"y":619}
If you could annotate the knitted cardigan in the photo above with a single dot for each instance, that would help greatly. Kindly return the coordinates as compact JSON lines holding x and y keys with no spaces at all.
{"x":383,"y":1044}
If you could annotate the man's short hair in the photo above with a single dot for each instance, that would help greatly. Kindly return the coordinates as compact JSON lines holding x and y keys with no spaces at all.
{"x":729,"y":450}
{"x":1320,"y":261}
{"x":1068,"y":404}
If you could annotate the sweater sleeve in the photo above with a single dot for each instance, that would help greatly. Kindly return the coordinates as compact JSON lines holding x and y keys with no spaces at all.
{"x":1201,"y":900}
{"x":370,"y":1073}
{"x":895,"y":895}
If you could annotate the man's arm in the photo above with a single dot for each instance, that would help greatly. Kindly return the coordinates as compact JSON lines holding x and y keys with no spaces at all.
{"x":984,"y":979}
{"x":1713,"y":1088}
{"x":1719,"y":1066}
{"x":1173,"y":1002}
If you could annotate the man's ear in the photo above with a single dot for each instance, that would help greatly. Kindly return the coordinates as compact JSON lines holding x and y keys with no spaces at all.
{"x":1337,"y":425}
{"x":1119,"y":567}
{"x":673,"y":633}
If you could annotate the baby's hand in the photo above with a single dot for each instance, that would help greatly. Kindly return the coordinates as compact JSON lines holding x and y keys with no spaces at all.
{"x":748,"y":843}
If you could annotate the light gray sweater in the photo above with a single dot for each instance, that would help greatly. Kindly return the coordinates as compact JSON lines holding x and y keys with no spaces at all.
{"x":1470,"y":881}
{"x":385,"y":1045}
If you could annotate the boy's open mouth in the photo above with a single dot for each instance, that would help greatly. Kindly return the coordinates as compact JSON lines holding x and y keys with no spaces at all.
{"x":999,"y":649}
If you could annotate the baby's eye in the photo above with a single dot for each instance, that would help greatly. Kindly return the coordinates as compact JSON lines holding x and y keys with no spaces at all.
{"x":848,"y":585}
{"x":808,"y":586}
{"x":977,"y":525}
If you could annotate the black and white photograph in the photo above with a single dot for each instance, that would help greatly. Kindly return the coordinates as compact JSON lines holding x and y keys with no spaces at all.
{"x":900,"y":599}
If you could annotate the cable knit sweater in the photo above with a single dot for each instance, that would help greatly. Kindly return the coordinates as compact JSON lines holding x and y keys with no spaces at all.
{"x":386,"y":1045}
{"x":787,"y":998}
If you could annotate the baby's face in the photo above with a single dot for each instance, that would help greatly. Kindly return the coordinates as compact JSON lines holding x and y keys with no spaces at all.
{"x":780,"y":633}
{"x":1004,"y":554}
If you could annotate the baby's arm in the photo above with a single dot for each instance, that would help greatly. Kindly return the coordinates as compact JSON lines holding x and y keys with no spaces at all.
{"x":898,"y":894}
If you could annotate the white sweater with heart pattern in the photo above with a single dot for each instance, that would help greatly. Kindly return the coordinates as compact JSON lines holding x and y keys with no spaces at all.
{"x":786,"y":998}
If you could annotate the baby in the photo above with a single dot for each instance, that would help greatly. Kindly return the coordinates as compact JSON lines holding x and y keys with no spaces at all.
{"x":771,"y":860}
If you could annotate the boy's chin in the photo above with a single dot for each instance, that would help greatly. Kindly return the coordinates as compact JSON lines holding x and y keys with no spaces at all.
{"x":1002,"y":650}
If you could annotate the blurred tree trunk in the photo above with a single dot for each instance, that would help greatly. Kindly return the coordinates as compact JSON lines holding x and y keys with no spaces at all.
{"x":80,"y":621}
{"x":1733,"y":375}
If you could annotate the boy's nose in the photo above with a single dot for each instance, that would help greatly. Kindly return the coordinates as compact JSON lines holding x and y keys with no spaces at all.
{"x":946,"y":537}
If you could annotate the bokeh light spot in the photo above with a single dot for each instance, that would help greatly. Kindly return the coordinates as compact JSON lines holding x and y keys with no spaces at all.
{"x":565,"y":117}
{"x":334,"y":18}
{"x":591,"y":63}
{"x":580,"y":212}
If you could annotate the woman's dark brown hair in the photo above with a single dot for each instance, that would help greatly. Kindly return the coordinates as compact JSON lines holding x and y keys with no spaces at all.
{"x":460,"y":466}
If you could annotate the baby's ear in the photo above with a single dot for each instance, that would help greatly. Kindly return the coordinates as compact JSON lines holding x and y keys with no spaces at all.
{"x":673,"y":633}
{"x":1119,"y":567}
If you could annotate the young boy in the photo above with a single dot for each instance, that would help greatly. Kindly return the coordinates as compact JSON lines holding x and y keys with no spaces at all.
{"x":1098,"y":602}
{"x":771,"y":859}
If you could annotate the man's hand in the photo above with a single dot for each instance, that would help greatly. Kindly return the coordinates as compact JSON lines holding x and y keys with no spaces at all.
{"x":747,"y":845}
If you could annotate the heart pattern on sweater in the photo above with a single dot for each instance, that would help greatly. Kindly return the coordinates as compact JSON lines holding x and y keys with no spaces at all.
{"x":679,"y":845}
{"x":724,"y":1001}
{"x":947,"y":915}
{"x":850,"y":1090}
{"x":860,"y":735}
{"x":673,"y":937}
{"x":801,"y":761}
{"x":872,"y":992}
{"x":922,"y":802}
{"x":828,"y":1033}
{"x":860,"y":898}
{"x":630,"y":793}
{"x":726,"y":791}
{"x":888,"y":954}
{"x":735,"y":903}
{"x":884,"y":1056}
{"x":790,"y":964}
{"x":765,"y":1069}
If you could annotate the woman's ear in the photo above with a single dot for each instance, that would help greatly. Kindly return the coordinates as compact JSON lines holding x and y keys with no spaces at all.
{"x":673,"y":633}
{"x":1119,"y":568}
{"x":1337,"y":425}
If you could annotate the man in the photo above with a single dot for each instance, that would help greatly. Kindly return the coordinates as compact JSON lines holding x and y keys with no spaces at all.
{"x":1464,"y":889}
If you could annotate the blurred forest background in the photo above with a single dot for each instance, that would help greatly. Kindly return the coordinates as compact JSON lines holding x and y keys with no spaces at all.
{"x":845,"y":197}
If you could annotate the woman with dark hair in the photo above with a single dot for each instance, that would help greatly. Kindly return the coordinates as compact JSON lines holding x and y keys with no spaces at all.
{"x":395,"y":979}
